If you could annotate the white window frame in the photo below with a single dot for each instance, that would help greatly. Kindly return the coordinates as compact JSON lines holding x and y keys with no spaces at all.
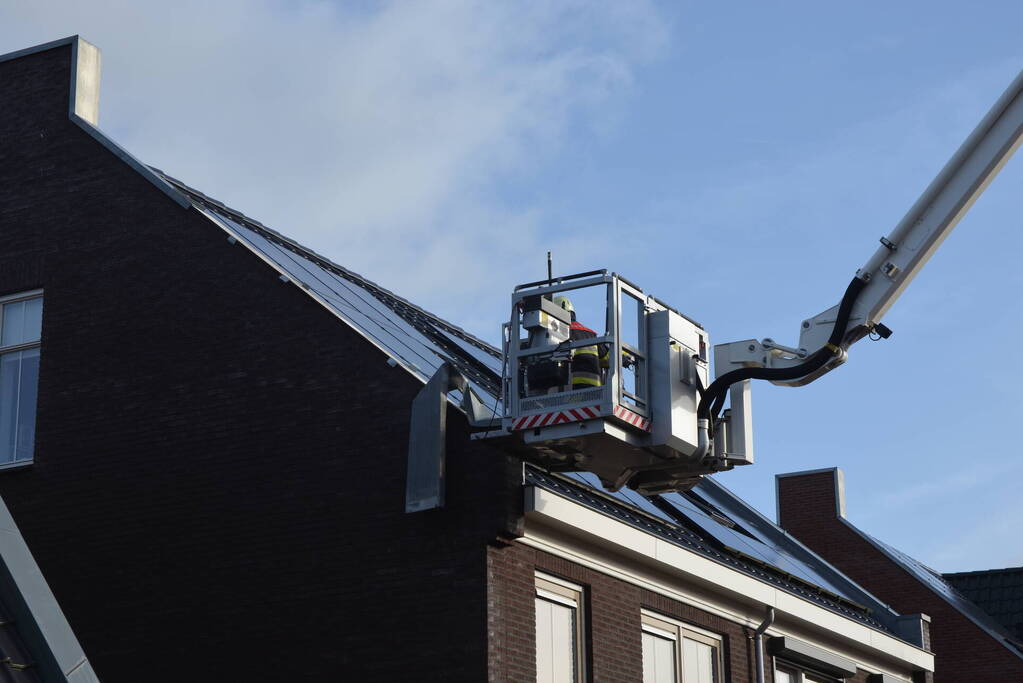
{"x":665,"y":627}
{"x":567,"y":594}
{"x":801,"y":674}
{"x":10,"y":299}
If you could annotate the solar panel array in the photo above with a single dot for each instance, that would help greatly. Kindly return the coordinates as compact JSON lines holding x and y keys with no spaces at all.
{"x":943,"y":588}
{"x":713,"y":516}
{"x":421,"y":342}
{"x":415,"y":338}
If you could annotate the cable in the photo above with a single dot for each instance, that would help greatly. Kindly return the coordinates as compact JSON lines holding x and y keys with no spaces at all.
{"x":714,"y":398}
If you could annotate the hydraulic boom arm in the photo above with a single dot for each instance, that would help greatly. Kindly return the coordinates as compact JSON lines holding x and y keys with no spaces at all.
{"x":825,"y":338}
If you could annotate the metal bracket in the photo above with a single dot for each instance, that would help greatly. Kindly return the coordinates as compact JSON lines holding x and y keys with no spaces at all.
{"x":424,"y":483}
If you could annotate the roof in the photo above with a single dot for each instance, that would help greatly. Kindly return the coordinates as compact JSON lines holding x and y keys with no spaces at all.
{"x":414,"y":338}
{"x":948,"y":592}
{"x":713,"y":522}
{"x":709,"y":519}
{"x":999,"y":592}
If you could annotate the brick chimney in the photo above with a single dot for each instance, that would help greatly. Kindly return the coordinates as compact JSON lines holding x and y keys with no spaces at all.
{"x":810,"y":505}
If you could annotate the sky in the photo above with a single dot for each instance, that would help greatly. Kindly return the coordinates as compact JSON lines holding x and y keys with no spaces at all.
{"x":737,"y":160}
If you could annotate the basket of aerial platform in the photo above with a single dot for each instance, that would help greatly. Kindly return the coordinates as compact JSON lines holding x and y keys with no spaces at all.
{"x":601,"y":377}
{"x":597,"y":376}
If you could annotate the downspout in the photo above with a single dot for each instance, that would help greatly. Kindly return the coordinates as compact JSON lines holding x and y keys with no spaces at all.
{"x":758,"y":643}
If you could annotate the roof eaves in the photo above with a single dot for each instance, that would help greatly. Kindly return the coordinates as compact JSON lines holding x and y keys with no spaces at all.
{"x":692,"y":541}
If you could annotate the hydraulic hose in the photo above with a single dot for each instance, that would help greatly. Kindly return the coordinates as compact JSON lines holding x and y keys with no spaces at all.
{"x":713,"y":399}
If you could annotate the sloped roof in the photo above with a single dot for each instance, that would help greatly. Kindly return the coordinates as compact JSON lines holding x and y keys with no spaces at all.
{"x":709,"y":520}
{"x":413,"y":337}
{"x":999,"y":592}
{"x":713,"y":522}
{"x":948,"y":592}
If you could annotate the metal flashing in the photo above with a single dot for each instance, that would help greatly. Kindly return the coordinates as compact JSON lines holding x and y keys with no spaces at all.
{"x":58,"y":656}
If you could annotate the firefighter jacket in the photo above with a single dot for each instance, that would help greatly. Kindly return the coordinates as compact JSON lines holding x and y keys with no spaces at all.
{"x":587,"y":361}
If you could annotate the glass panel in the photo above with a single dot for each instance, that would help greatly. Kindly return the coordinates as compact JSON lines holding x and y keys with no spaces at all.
{"x":555,"y":643}
{"x":697,"y":662}
{"x":33,"y":319}
{"x":19,"y":383}
{"x":783,"y":677}
{"x":22,"y":321}
{"x":658,"y":659}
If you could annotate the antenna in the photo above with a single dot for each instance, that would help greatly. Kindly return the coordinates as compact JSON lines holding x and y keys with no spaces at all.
{"x":550,"y":276}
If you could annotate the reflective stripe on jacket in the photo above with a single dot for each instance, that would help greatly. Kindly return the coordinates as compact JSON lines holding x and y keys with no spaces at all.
{"x":586,"y":360}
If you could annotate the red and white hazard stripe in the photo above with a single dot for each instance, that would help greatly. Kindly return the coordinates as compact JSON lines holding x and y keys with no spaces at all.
{"x":556,"y":418}
{"x":634,"y":419}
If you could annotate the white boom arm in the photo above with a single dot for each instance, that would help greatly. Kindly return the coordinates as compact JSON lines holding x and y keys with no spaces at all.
{"x":903,"y":253}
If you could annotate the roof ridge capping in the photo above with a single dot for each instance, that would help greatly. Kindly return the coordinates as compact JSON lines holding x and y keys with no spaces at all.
{"x":83,"y":103}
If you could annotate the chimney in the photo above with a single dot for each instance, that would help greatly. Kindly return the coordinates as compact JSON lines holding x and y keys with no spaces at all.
{"x":42,"y":88}
{"x":63,"y":75}
{"x":810,"y":502}
{"x":85,"y":70}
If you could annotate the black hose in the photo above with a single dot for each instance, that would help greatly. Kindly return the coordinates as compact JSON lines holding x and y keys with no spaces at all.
{"x":714,"y":398}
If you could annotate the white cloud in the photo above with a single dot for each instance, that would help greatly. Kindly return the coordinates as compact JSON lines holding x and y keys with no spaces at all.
{"x":377,"y":133}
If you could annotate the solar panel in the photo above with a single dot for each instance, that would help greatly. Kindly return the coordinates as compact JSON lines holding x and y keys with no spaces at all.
{"x":935,"y":582}
{"x":772,"y":546}
{"x":624,"y":495}
{"x":404,"y":332}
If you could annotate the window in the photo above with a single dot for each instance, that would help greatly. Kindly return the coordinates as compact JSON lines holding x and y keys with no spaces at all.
{"x":21,"y":317}
{"x":787,"y":673}
{"x":678,"y":653}
{"x":559,"y":631}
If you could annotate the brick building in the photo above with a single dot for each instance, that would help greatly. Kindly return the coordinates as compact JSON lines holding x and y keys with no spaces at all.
{"x":205,"y":450}
{"x":969,"y":644}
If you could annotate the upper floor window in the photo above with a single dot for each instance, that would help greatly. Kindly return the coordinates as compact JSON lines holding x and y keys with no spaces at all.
{"x":559,"y":631}
{"x":678,"y":653}
{"x":21,"y":318}
{"x":787,"y":673}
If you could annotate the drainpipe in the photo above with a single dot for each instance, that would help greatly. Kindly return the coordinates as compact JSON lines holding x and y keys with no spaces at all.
{"x":758,"y":643}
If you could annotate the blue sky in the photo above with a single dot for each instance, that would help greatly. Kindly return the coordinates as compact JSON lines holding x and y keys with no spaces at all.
{"x":738,"y":160}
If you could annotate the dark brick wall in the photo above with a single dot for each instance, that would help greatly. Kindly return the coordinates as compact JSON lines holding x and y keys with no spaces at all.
{"x":217,"y":492}
{"x":963,"y":652}
{"x":614,"y":651}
